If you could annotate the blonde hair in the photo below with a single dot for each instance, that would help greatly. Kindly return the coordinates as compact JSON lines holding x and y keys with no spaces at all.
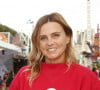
{"x":36,"y":55}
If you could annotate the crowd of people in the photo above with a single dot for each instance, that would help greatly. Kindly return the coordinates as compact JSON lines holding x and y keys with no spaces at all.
{"x":96,"y":71}
{"x":6,"y":80}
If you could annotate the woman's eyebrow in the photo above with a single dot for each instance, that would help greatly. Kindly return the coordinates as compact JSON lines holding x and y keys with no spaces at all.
{"x":55,"y":32}
{"x":51,"y":33}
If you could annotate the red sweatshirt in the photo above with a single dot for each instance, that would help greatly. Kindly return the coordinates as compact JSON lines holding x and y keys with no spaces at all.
{"x":56,"y":77}
{"x":96,"y":73}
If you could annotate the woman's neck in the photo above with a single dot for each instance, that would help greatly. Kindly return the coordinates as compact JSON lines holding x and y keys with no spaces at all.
{"x":60,"y":59}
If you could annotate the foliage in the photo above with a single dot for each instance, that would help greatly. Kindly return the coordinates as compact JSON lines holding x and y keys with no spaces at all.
{"x":98,"y":65}
{"x":4,"y":28}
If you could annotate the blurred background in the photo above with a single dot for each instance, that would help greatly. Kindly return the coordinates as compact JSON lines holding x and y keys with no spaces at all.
{"x":17,"y":22}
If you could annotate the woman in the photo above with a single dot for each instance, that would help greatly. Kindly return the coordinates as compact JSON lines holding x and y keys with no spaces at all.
{"x":52,"y":61}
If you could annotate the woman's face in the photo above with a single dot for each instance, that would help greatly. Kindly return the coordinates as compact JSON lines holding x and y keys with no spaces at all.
{"x":53,"y":42}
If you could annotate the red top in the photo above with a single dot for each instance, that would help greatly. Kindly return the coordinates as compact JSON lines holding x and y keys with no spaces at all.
{"x":57,"y":77}
{"x":96,"y":73}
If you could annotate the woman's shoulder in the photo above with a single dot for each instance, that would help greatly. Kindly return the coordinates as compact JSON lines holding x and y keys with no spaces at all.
{"x":24,"y":67}
{"x":84,"y":72}
{"x":23,"y":70}
{"x":81,"y":69}
{"x":86,"y":75}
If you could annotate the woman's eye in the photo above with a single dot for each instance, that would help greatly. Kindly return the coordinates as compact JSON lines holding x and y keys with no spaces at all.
{"x":56,"y":35}
{"x":42,"y":38}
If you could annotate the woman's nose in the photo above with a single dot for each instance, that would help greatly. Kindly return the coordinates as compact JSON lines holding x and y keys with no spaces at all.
{"x":50,"y":41}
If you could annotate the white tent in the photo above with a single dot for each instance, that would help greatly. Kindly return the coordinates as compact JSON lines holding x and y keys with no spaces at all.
{"x":10,"y":46}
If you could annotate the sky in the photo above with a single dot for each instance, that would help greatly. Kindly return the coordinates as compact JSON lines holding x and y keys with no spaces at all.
{"x":17,"y":13}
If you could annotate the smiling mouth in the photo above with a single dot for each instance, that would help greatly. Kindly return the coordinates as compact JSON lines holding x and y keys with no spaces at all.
{"x":51,"y":49}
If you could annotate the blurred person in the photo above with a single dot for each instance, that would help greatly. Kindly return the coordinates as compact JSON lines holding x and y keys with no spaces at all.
{"x":94,"y":71}
{"x":1,"y":81}
{"x":99,"y":72}
{"x":9,"y":79}
{"x":5,"y":77}
{"x":3,"y":69}
{"x":52,"y":62}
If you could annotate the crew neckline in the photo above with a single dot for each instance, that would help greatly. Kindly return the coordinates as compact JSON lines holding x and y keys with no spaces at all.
{"x":53,"y":63}
{"x":52,"y":67}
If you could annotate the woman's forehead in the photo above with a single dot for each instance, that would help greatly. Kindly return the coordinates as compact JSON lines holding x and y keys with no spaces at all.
{"x":51,"y":27}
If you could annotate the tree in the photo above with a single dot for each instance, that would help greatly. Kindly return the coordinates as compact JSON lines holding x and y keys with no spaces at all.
{"x":4,"y":28}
